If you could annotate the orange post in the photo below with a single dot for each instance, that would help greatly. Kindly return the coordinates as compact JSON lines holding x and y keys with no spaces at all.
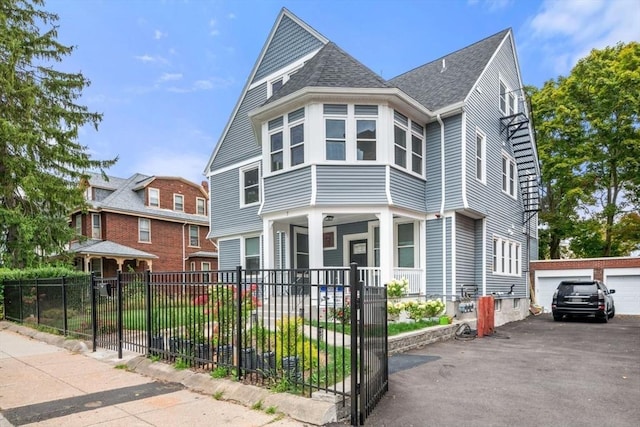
{"x":485,"y":316}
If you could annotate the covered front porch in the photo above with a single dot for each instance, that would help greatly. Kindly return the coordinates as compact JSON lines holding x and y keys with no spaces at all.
{"x":385,"y":243}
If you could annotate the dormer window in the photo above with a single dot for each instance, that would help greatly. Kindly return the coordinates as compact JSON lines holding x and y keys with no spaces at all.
{"x":154,"y":197}
{"x":276,"y":84}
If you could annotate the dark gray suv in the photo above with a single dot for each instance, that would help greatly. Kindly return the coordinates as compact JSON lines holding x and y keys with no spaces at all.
{"x":583,"y":298}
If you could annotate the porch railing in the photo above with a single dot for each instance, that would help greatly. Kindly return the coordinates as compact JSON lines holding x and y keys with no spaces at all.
{"x":370,"y":276}
{"x":415,"y":276}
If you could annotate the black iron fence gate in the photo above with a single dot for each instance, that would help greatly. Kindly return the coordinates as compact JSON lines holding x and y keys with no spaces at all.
{"x":370,"y":367}
{"x":368,"y":340}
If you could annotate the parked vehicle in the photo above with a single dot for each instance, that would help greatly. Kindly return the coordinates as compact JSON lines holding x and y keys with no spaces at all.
{"x":583,"y":298}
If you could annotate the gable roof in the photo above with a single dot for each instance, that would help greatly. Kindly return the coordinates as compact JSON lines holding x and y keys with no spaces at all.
{"x":449,"y":79}
{"x":331,"y":67}
{"x":107,"y":247}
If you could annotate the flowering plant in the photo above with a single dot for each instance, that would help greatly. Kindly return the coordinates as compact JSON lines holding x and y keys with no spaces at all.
{"x":394,"y":309}
{"x":341,"y":314}
{"x":434,"y":307}
{"x":416,"y":310}
{"x":397,"y":288}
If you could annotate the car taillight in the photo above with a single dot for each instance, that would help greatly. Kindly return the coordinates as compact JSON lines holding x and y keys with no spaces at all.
{"x":600,"y":300}
{"x":554,"y":300}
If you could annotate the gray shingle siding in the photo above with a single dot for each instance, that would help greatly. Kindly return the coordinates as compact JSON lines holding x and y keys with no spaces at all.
{"x":229,"y":251}
{"x":240,"y":143}
{"x":434,"y":257}
{"x":504,"y":214}
{"x":465,"y":250}
{"x":289,"y":43}
{"x":353,"y":184}
{"x":408,"y":191}
{"x":287,"y":190}
{"x":227,"y":218}
{"x":453,"y":164}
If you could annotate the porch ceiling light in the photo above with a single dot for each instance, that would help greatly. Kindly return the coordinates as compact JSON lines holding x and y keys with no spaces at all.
{"x":328,"y":218}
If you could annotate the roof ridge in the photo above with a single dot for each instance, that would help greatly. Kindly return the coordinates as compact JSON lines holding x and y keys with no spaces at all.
{"x":505,"y":31}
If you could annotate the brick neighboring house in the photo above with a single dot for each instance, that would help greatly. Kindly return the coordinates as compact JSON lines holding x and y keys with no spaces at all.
{"x":143,"y":222}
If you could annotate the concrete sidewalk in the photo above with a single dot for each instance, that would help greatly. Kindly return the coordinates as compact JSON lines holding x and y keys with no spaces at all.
{"x":45,"y":384}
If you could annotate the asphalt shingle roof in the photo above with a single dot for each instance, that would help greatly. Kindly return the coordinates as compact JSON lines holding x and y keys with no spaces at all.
{"x":435,"y":87}
{"x":127,"y":197}
{"x":107,"y":247}
{"x":331,"y":67}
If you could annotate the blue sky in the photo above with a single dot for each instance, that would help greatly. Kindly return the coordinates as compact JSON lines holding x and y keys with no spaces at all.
{"x":167,"y":74}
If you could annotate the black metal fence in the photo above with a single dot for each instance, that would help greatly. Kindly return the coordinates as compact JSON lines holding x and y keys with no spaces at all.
{"x":62,"y":304}
{"x":291,"y":330}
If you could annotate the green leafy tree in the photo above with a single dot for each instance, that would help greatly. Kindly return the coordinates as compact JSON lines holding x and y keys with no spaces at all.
{"x":588,"y":135}
{"x":41,"y":161}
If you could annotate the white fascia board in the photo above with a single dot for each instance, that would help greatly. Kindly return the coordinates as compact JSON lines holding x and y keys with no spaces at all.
{"x":235,"y":166}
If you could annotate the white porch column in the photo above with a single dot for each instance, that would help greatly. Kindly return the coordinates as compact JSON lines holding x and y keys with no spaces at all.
{"x":268,"y":249}
{"x":387,"y":245}
{"x":422,"y":255}
{"x":316,"y":253}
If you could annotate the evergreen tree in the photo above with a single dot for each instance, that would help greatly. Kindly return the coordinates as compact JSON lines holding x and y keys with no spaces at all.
{"x":41,"y":161}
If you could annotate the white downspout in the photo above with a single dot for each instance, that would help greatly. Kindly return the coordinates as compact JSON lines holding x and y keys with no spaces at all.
{"x":442,"y":198}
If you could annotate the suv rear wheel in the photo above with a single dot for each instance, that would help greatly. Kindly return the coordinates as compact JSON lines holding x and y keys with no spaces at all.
{"x":557,"y":317}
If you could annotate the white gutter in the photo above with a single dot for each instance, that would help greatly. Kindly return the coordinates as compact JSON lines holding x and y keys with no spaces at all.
{"x":442,"y":173}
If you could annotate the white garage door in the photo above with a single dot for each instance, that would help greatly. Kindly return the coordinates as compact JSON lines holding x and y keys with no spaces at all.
{"x":626,"y":282}
{"x":547,"y":281}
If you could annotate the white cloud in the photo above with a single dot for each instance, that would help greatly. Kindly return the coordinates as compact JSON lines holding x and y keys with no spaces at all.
{"x":231,"y":16}
{"x":204,"y":84}
{"x":491,"y":5}
{"x":567,"y":30}
{"x":157,"y":34}
{"x":213,"y":30}
{"x":165,"y":77}
{"x":148,"y":59}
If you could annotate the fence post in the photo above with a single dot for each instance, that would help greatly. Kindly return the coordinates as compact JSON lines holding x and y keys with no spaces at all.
{"x":239,"y":319}
{"x":37,"y":303}
{"x":94,"y":312}
{"x":119,"y":308}
{"x":147,"y":297}
{"x":355,"y":385}
{"x":65,"y":321}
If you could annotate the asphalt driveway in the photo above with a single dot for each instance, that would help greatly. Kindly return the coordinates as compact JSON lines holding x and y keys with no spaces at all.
{"x":534,"y":372}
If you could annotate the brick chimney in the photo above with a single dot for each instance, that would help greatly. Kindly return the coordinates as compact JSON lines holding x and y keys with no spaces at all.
{"x":205,"y":185}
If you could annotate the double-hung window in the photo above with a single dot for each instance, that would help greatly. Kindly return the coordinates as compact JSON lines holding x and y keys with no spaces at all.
{"x":296,"y":136}
{"x":416,"y":147}
{"x":408,"y":139}
{"x":154,"y":197}
{"x":144,"y":230}
{"x":194,"y":236}
{"x":96,"y":226}
{"x":406,"y":245}
{"x":481,"y":144}
{"x":276,"y":144}
{"x":366,"y":131}
{"x":201,"y":207}
{"x":178,"y":202}
{"x":250,"y":185}
{"x":252,"y":253}
{"x":508,"y":175}
{"x":78,"y":221}
{"x":508,"y":104}
{"x":336,"y":131}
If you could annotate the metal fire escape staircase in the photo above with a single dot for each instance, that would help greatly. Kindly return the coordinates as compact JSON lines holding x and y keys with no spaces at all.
{"x":518,"y":132}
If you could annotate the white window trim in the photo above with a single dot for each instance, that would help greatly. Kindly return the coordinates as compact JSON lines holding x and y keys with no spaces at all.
{"x":205,"y":266}
{"x":242,"y":171}
{"x":280,"y":130}
{"x":286,"y":142}
{"x":408,"y":129}
{"x":93,"y":227}
{"x":157,"y":191}
{"x":351,"y":137}
{"x":140,"y":230}
{"x":507,"y":260}
{"x":411,"y":153}
{"x":483,"y":156}
{"x":78,"y":224}
{"x":243,"y":249}
{"x":175,"y":197}
{"x":197,"y":235}
{"x":509,"y":94}
{"x":204,"y":206}
{"x":416,"y":244}
{"x":510,"y":167}
{"x":287,"y":157}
